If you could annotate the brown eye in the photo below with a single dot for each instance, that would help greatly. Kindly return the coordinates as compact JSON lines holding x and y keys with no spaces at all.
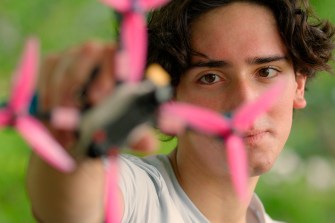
{"x":210,"y":79}
{"x":268,"y":72}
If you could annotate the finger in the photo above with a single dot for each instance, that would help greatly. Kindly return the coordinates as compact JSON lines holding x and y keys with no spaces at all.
{"x":104,"y":82}
{"x":58,"y":75}
{"x":143,"y":139}
{"x":73,"y":72}
{"x":90,"y":71}
{"x":45,"y":81}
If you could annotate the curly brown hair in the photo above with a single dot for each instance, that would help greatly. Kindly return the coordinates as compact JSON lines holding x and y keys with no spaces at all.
{"x":309,"y":40}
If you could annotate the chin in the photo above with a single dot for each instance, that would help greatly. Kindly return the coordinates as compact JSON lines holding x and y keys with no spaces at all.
{"x":261,"y":159}
{"x":261,"y":166}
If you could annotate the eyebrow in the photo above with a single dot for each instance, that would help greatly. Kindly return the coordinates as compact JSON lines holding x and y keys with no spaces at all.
{"x":267,"y":59}
{"x":210,"y":63}
{"x":252,"y":61}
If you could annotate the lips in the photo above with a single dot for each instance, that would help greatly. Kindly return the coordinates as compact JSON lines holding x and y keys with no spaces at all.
{"x":254,"y":137}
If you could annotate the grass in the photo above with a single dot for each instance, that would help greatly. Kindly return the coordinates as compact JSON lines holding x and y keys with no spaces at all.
{"x":14,"y":205}
{"x":297,"y":201}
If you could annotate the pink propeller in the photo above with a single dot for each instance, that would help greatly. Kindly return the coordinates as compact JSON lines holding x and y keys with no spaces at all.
{"x":130,"y":65}
{"x":133,"y":34}
{"x":16,"y":114}
{"x":231,"y":130}
{"x":113,"y":212}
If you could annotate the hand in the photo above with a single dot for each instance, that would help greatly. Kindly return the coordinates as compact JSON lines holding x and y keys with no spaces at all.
{"x":79,"y":77}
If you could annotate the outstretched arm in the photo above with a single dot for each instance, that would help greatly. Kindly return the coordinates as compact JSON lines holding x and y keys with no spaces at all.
{"x":61,"y":197}
{"x":77,"y":196}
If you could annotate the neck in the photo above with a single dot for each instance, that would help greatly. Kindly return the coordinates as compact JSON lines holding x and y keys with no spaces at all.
{"x":215,"y":197}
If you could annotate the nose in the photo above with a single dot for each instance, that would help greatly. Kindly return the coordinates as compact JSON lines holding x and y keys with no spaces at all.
{"x":242,"y":91}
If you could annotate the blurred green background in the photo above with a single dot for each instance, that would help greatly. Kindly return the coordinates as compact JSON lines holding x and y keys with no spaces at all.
{"x":299,"y":189}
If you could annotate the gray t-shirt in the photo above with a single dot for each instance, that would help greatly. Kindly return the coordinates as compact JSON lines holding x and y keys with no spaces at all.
{"x":152,"y":194}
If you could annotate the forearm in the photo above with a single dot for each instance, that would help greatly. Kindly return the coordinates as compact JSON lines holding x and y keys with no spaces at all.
{"x":60,"y":197}
{"x":78,"y":196}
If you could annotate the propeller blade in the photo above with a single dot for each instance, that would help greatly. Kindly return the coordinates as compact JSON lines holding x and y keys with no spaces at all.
{"x":25,"y":77}
{"x":65,"y":118}
{"x":43,"y":144}
{"x":170,"y":123}
{"x":201,"y":119}
{"x":147,"y":5}
{"x":5,"y":117}
{"x":118,"y":5}
{"x":122,"y":68}
{"x":237,"y":162}
{"x":134,"y":38}
{"x":246,"y":115}
{"x":113,"y":211}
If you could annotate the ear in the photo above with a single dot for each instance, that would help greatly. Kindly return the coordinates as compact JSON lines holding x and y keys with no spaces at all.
{"x":299,"y":99}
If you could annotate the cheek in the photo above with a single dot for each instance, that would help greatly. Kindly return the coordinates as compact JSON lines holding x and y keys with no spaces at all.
{"x":279,"y":119}
{"x":282,"y":111}
{"x":186,"y":92}
{"x":281,"y":115}
{"x":213,"y":99}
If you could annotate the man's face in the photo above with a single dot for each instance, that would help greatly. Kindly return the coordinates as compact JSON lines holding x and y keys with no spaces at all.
{"x":243,"y":56}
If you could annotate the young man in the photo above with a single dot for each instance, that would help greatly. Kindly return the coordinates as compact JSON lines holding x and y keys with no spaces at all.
{"x":220,"y":54}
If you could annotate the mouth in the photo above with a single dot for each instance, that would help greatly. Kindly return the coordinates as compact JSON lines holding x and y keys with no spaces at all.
{"x":255,"y":137}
